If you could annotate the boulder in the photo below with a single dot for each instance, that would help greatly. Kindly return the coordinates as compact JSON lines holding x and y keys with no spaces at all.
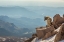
{"x":41,"y":32}
{"x":49,"y":34}
{"x":58,"y":20}
{"x":34,"y":35}
{"x":60,"y":34}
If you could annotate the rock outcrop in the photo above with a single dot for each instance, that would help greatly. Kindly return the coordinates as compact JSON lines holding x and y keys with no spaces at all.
{"x":60,"y":34}
{"x":57,"y":29}
{"x":57,"y":20}
{"x":44,"y":32}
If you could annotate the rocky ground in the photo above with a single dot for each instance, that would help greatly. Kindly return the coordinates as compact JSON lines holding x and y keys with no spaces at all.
{"x":52,"y":33}
{"x":50,"y":39}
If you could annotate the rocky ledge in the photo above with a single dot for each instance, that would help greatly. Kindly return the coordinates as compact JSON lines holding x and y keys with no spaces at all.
{"x":52,"y":33}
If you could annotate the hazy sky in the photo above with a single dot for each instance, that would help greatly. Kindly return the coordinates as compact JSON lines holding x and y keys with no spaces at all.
{"x":53,"y":3}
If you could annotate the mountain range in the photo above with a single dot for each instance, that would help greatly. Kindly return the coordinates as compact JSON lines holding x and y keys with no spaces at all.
{"x":16,"y":12}
{"x":31,"y":11}
{"x":24,"y":20}
{"x":9,"y":29}
{"x":46,"y":11}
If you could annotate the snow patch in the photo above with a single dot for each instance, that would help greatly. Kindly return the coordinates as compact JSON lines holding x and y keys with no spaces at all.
{"x":50,"y":39}
{"x":58,"y":29}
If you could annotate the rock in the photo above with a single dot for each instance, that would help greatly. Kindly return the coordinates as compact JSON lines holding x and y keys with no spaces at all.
{"x":58,"y":20}
{"x":41,"y":32}
{"x":53,"y":33}
{"x":60,"y":34}
{"x":49,"y":34}
{"x":34,"y":35}
{"x":46,"y":32}
{"x":30,"y":39}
